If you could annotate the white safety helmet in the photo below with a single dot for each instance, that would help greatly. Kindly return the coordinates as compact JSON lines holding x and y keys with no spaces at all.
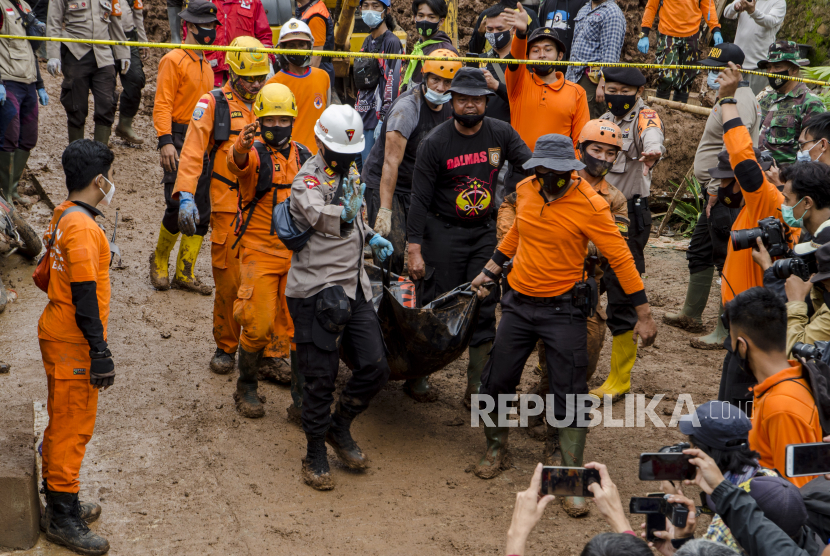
{"x":293,"y":30}
{"x":340,"y":129}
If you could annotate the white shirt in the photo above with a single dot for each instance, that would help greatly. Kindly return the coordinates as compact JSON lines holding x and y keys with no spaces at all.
{"x":756,"y":31}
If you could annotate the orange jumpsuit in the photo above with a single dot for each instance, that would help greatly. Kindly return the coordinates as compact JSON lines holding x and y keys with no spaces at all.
{"x":80,"y":254}
{"x":260,"y":307}
{"x":223,"y":199}
{"x":313,"y":93}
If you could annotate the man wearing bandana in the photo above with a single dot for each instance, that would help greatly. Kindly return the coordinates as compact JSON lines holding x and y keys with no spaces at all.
{"x":789,"y":106}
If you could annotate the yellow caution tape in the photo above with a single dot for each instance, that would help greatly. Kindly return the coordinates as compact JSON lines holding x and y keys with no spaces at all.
{"x":338,"y":54}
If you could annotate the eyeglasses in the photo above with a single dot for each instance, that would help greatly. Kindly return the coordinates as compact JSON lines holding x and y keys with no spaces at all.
{"x":253,"y":78}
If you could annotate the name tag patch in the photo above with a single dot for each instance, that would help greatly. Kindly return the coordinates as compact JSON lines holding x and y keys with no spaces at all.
{"x":236,"y":114}
{"x":78,"y":371}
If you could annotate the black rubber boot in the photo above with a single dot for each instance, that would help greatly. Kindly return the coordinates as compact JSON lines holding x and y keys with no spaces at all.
{"x":316,"y":471}
{"x":248,"y":402}
{"x":663,"y":94}
{"x":221,"y":363}
{"x":90,"y":511}
{"x":66,"y":528}
{"x":681,"y":97}
{"x":339,"y":437}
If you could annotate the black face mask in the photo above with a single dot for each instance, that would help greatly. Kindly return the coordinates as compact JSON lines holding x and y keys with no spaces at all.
{"x":299,"y":60}
{"x":467,"y":120}
{"x":729,"y":199}
{"x":275,"y":136}
{"x":498,"y":40}
{"x":542,"y":69}
{"x":620,"y":105}
{"x":594,"y":166}
{"x":205,"y":36}
{"x":553,"y":182}
{"x":426,"y":29}
{"x":339,"y":162}
{"x":777,"y":82}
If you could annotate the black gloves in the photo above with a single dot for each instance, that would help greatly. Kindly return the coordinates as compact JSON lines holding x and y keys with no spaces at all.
{"x":101,"y":369}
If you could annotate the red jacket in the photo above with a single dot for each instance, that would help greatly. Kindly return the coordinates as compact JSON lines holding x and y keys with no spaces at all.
{"x":238,"y":18}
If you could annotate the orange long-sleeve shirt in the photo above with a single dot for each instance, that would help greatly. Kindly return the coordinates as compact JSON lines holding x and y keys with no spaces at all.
{"x":183,"y":77}
{"x":549,"y":240}
{"x":537,"y":108}
{"x":681,"y":18}
{"x":783,"y":412}
{"x":313,"y":93}
{"x":762,"y":199}
{"x":258,"y":234}
{"x":199,"y":141}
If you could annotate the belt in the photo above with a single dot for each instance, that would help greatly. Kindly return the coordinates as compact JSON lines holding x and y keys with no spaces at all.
{"x":565,"y":297}
{"x":482,"y":223}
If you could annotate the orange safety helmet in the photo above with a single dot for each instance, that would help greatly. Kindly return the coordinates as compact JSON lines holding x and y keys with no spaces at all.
{"x":447,"y":70}
{"x":602,"y":131}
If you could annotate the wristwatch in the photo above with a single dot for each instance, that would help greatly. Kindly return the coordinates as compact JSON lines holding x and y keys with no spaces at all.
{"x":641,"y":35}
{"x":728,"y":100}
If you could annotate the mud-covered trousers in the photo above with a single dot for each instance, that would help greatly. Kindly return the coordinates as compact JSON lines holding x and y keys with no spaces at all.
{"x":400,"y":210}
{"x":18,"y":117}
{"x":201,"y":198}
{"x":72,"y":404}
{"x":564,"y":332}
{"x":81,"y":76}
{"x":682,"y":51}
{"x":132,"y":82}
{"x":363,"y":345}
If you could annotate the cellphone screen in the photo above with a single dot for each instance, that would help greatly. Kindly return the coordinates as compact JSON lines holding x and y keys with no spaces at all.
{"x":568,"y":481}
{"x":809,"y":459}
{"x":644,"y":505}
{"x":666,"y":467}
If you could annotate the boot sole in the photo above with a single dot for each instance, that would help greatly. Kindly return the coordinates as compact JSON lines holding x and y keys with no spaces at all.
{"x":54,"y":539}
{"x":492,"y":471}
{"x":351,"y":463}
{"x":685,"y":323}
{"x":427,"y":397}
{"x":133,"y":141}
{"x":247,"y":410}
{"x":317,"y":482}
{"x":697,"y":344}
{"x":222,"y":369}
{"x":201,"y":289}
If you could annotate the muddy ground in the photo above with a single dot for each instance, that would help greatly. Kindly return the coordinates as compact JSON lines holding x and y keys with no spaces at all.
{"x":177,"y":471}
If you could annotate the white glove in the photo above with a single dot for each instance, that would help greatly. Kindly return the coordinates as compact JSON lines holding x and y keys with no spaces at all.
{"x":53,"y":66}
{"x":383,"y":222}
{"x":125,"y":66}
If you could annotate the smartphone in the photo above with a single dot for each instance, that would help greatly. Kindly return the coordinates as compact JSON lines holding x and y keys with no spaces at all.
{"x":808,"y":459}
{"x":568,"y":481}
{"x":666,"y":466}
{"x":472,"y":64}
{"x":644,"y":505}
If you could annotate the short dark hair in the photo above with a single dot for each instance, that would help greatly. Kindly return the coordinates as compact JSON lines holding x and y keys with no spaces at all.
{"x":84,"y":159}
{"x":616,"y":544}
{"x":439,"y":7}
{"x":818,"y":126}
{"x":762,"y":315}
{"x":733,"y":461}
{"x":809,"y":179}
{"x":703,"y":547}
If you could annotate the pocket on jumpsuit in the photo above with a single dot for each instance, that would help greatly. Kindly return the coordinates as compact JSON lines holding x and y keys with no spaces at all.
{"x":67,"y":96}
{"x":218,"y":255}
{"x":71,"y":390}
{"x":242,"y":307}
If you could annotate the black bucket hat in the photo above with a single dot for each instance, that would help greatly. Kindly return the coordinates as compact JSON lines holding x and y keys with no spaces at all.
{"x":554,"y":152}
{"x":724,"y":169}
{"x":470,"y":82}
{"x":200,"y":11}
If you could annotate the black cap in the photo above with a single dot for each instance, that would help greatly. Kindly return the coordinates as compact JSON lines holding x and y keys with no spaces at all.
{"x":547,"y":33}
{"x":554,"y":152}
{"x":470,"y":82}
{"x":724,"y":169}
{"x":722,"y":54}
{"x":781,"y":502}
{"x":199,"y":11}
{"x":331,"y":313}
{"x":823,"y":263}
{"x":626,"y":76}
{"x":719,"y":425}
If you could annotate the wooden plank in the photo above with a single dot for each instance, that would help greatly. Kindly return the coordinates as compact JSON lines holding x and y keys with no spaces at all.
{"x":677,"y":194}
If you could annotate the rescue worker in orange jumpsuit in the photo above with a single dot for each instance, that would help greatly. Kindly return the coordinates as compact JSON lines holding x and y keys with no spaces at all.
{"x":265,"y":170}
{"x":183,"y":77}
{"x":217,"y":118}
{"x":72,"y":332}
{"x":316,"y":15}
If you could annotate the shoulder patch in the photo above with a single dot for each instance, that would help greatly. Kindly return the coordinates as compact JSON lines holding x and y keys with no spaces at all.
{"x":236,"y":114}
{"x":329,"y":172}
{"x":648,"y":118}
{"x":311,"y":182}
{"x":229,"y":96}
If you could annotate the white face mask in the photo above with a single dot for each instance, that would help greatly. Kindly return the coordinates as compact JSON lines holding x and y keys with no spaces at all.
{"x":804,"y":156}
{"x":109,"y":194}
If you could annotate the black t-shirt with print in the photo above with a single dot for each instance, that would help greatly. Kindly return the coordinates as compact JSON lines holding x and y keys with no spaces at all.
{"x":455,"y":175}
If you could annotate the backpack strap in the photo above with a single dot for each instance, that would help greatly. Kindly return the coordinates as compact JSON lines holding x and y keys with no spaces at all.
{"x":265,"y":183}
{"x":73,"y":208}
{"x":221,"y":118}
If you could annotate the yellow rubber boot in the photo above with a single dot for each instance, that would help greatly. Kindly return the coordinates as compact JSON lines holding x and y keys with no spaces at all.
{"x":185,"y":263}
{"x":160,"y":258}
{"x":623,"y":356}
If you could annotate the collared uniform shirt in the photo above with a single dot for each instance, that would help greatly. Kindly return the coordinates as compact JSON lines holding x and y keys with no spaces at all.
{"x":785,"y":115}
{"x":86,"y":19}
{"x":132,"y":18}
{"x":681,"y":18}
{"x":333,"y":255}
{"x":598,"y":36}
{"x":183,"y":78}
{"x":642,"y":131}
{"x":17,"y":59}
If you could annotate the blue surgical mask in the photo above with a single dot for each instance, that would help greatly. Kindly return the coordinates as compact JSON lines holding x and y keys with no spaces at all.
{"x":372,"y":18}
{"x":789,"y":219}
{"x":436,"y":98}
{"x":804,"y":156}
{"x":710,"y":80}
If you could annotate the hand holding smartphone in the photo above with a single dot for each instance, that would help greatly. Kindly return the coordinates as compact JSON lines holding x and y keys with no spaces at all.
{"x":568,"y":481}
{"x":804,"y":460}
{"x":666,"y":466}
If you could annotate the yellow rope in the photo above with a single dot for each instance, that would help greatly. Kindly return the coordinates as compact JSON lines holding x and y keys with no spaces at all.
{"x":336,"y":54}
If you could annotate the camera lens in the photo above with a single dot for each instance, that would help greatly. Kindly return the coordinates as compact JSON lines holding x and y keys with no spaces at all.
{"x":783,"y":269}
{"x":744,"y":239}
{"x":807,"y":351}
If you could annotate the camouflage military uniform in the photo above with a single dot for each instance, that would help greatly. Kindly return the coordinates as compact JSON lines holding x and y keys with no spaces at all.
{"x":681,"y":51}
{"x":785,"y":113}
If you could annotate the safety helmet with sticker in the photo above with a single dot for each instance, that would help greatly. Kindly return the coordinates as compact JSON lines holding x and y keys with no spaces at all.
{"x":248,"y":63}
{"x":601,"y":131}
{"x":275,"y":99}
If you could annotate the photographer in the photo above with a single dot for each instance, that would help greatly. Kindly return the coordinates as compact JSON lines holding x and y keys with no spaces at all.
{"x":814,"y":142}
{"x":741,"y":511}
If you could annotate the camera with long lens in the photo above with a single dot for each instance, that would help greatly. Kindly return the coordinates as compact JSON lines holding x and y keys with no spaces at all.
{"x":817,"y":351}
{"x":771,"y":232}
{"x":675,"y":448}
{"x":801,"y":266}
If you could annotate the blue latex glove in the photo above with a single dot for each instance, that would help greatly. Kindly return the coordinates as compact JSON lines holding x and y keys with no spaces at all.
{"x":43,"y":97}
{"x":188,"y":213}
{"x":2,"y":94}
{"x":381,"y":247}
{"x":352,"y":201}
{"x":642,"y":45}
{"x":718,"y":38}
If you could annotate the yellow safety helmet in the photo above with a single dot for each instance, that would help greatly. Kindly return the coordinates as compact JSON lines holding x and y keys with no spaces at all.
{"x":248,"y":63}
{"x":275,"y":99}
{"x":441,"y":68}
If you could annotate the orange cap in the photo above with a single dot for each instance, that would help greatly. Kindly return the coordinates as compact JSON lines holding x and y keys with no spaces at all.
{"x":446,"y":70}
{"x":602,"y":131}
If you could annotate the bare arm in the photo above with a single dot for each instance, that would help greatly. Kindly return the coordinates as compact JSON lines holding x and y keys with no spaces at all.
{"x":393,"y":155}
